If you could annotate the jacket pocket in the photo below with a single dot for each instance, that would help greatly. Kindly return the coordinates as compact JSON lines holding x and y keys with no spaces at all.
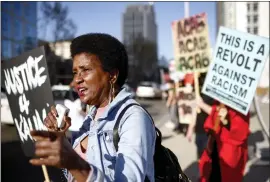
{"x":107,"y":140}
{"x":108,"y":152}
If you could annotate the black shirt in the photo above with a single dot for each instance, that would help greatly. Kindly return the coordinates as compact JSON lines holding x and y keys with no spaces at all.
{"x":201,"y":117}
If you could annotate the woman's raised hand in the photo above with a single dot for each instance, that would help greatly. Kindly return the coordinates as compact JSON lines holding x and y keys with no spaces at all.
{"x":51,"y":121}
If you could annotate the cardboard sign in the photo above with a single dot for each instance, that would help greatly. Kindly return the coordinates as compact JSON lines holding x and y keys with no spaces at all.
{"x":191,"y":44}
{"x":238,"y":61}
{"x":29,"y":94}
{"x":186,"y":105}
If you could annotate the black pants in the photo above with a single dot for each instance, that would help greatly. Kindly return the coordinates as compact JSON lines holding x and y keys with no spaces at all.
{"x":215,"y":174}
{"x":201,"y":142}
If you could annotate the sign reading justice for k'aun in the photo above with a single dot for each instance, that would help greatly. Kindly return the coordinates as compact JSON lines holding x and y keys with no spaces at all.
{"x":238,"y":61}
{"x":29,"y":94}
{"x":191,"y":44}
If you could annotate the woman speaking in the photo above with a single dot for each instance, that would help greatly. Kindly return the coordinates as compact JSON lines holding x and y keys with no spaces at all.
{"x":100,"y":68}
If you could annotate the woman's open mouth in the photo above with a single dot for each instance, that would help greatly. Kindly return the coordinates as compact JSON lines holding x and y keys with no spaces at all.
{"x":81,"y":91}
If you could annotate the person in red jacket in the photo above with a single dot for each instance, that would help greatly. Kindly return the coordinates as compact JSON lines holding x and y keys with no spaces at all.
{"x":226,"y":154}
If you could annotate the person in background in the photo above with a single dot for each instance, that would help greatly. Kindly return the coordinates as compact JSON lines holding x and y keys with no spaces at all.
{"x":226,"y":153}
{"x":197,"y":126}
{"x":189,"y":79}
{"x":100,"y":68}
{"x":172,"y":105}
{"x":188,"y":83}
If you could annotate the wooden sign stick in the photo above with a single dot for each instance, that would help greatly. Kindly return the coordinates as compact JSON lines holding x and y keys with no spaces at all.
{"x":197,"y":87}
{"x":45,"y":172}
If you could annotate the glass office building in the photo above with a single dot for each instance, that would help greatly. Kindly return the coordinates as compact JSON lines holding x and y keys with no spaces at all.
{"x":18,"y":28}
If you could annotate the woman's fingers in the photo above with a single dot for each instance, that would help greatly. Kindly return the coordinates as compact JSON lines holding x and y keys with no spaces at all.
{"x":49,"y":135}
{"x":52,"y":148}
{"x":37,"y":162}
{"x":43,"y":161}
{"x":48,"y":123}
{"x":38,"y":138}
{"x":44,"y":143}
{"x":52,"y":119}
{"x":67,"y":121}
{"x":45,"y":152}
{"x":54,"y":111}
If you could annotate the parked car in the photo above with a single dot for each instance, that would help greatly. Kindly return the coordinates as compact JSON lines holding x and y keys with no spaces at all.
{"x":148,"y":90}
{"x":60,"y":93}
{"x":6,"y":116}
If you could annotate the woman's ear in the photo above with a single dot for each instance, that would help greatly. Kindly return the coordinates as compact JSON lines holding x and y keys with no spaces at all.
{"x":113,"y":76}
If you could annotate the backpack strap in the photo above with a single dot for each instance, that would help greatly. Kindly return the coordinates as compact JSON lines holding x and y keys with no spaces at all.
{"x":116,"y":137}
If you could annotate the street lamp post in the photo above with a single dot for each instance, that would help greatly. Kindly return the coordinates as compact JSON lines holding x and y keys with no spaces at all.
{"x":186,"y":9}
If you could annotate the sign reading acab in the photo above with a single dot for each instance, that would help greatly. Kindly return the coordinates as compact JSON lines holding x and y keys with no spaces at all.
{"x":191,"y":44}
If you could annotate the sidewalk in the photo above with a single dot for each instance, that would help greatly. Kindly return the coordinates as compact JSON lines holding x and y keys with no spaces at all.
{"x":186,"y":153}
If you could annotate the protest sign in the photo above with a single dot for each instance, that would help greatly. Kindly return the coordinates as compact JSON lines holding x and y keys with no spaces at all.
{"x":29,"y":94}
{"x":191,"y":44}
{"x":238,"y":61}
{"x":186,"y":105}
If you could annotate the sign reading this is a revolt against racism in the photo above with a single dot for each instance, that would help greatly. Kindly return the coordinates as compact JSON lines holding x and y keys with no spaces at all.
{"x":29,"y":94}
{"x":191,"y":44}
{"x":238,"y":61}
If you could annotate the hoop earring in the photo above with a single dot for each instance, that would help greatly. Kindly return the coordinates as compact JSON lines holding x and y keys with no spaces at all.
{"x":112,"y":91}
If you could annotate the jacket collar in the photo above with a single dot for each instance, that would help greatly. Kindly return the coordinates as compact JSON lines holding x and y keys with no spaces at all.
{"x":120,"y":98}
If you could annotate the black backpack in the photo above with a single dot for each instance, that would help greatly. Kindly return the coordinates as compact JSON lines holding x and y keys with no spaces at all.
{"x":167,"y":168}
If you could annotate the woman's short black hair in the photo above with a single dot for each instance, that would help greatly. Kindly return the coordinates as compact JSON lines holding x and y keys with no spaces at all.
{"x":110,"y":51}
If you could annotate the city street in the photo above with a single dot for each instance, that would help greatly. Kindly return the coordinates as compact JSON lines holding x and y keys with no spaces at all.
{"x":13,"y":160}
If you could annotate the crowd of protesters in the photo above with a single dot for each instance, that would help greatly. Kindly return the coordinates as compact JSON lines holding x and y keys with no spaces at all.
{"x":221,"y":132}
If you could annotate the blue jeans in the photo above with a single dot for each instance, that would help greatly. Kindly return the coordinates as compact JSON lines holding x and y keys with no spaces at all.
{"x":173,"y":111}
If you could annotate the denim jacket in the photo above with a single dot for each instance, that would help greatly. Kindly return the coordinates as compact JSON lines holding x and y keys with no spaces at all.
{"x":134,"y":159}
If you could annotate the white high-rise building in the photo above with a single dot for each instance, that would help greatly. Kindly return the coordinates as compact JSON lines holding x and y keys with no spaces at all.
{"x":251,"y":17}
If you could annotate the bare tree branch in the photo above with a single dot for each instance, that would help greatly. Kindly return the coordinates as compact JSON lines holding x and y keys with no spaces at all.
{"x":56,"y":15}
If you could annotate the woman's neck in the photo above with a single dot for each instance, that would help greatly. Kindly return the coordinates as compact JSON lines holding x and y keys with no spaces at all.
{"x":107,"y":101}
{"x":100,"y":111}
{"x":101,"y":108}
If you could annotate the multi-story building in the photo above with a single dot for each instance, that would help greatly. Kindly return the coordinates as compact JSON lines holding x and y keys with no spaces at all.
{"x":61,"y":48}
{"x":18,"y":28}
{"x":251,"y":17}
{"x":139,"y":20}
{"x":139,"y":24}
